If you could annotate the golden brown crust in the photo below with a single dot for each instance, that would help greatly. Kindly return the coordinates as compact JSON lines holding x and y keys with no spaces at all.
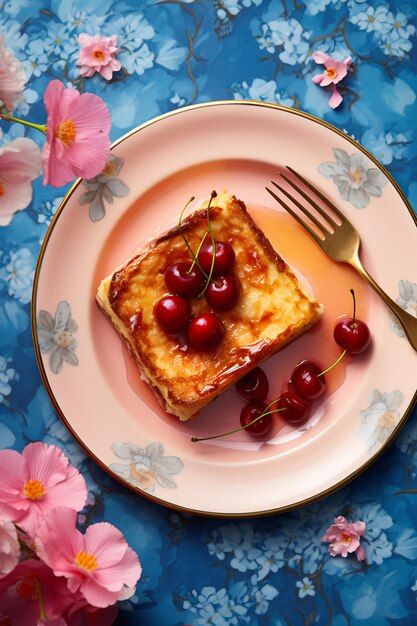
{"x":273,"y":309}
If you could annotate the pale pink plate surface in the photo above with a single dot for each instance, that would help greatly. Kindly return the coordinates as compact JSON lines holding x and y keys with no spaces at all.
{"x":96,"y":388}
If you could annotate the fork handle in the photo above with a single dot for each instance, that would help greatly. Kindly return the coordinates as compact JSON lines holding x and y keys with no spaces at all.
{"x":407,"y":321}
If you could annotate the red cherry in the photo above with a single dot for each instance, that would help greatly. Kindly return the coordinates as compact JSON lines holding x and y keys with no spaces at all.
{"x":296,"y":408}
{"x":205,"y":331}
{"x":254,"y":386}
{"x":224,"y":257}
{"x":353,"y":335}
{"x":250,"y":412}
{"x":172,"y":312}
{"x":306,"y":381}
{"x":182,"y":282}
{"x":223,"y":293}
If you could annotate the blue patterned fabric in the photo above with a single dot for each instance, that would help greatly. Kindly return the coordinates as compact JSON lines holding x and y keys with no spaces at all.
{"x":198,"y":571}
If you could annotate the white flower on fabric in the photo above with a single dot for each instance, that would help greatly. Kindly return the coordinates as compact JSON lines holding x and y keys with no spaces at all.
{"x":146,"y":467}
{"x":305,"y":587}
{"x":380,"y":418}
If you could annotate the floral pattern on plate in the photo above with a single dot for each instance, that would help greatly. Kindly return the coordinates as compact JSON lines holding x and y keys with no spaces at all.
{"x":381,"y":417}
{"x":146,"y":468}
{"x":353,"y":177}
{"x":57,"y":336}
{"x":104,"y":187}
{"x":408,"y":301}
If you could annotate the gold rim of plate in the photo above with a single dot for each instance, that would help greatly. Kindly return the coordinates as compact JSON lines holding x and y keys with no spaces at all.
{"x":44,"y":376}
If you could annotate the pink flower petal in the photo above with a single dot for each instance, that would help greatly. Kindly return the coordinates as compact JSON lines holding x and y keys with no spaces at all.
{"x":106,"y":542}
{"x":335,"y":98}
{"x":321,"y":57}
{"x":97,"y":595}
{"x":318,"y":78}
{"x":360,"y":553}
{"x":58,"y":541}
{"x":12,"y":77}
{"x":45,"y":463}
{"x":13,"y":474}
{"x":128,"y":569}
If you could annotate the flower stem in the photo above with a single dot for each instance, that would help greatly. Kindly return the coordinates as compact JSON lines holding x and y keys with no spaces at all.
{"x":42,"y":614}
{"x":339,"y":358}
{"x":10,"y":118}
{"x":236,"y":430}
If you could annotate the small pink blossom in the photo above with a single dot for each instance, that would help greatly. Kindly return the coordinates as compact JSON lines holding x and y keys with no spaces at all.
{"x":36,"y":481}
{"x":20,"y":590}
{"x":9,"y":546}
{"x":98,"y":564}
{"x":97,"y":55}
{"x":344,"y":538}
{"x":335,"y":71}
{"x":78,"y":129}
{"x":12,"y":78}
{"x":20,"y":163}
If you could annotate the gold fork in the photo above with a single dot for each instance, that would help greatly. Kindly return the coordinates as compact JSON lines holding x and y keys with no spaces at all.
{"x":342,"y":244}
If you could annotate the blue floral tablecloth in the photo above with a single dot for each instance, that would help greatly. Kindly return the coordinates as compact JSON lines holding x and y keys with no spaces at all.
{"x":198,"y":571}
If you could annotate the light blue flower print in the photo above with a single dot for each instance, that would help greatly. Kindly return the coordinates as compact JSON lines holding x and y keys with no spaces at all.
{"x":270,"y":560}
{"x":36,"y":60}
{"x":15,"y":39}
{"x":171,"y":56}
{"x":408,"y":301}
{"x":228,"y":10}
{"x":134,"y":54}
{"x":380,"y":418}
{"x":221,"y":608}
{"x":313,"y":7}
{"x":406,"y":544}
{"x":288,"y":36}
{"x":263,"y":597}
{"x":177,"y":100}
{"x":13,"y":7}
{"x":305,"y":587}
{"x":376,"y":543}
{"x":386,"y":146}
{"x":46,"y":210}
{"x":56,"y":336}
{"x":263,"y":90}
{"x":7,"y":438}
{"x":354,"y":178}
{"x":378,"y":20}
{"x":29,"y":97}
{"x":59,"y":44}
{"x":18,"y":274}
{"x":146,"y":467}
{"x":402,"y":27}
{"x":104,"y":187}
{"x":238,"y":540}
{"x":395,"y":45}
{"x":7,"y":375}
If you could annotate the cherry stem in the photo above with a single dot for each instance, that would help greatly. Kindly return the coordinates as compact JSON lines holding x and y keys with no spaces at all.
{"x":11,"y":118}
{"x":354,"y":307}
{"x":200,"y":245}
{"x":213,"y":243}
{"x":195,"y":260}
{"x":339,"y":358}
{"x":236,"y":430}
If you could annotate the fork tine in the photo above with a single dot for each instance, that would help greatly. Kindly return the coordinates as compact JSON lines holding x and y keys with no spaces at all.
{"x":307,"y":213}
{"x":295,"y":216}
{"x":318,"y":193}
{"x":314,"y":204}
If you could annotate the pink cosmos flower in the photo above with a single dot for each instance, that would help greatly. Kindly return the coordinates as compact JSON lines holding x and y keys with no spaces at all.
{"x":98,"y":564}
{"x":36,"y":481}
{"x":9,"y":546}
{"x":97,"y":55}
{"x":78,"y":129}
{"x":12,"y":78}
{"x":344,"y":538}
{"x":20,"y":592}
{"x":20,"y":163}
{"x":333,"y":74}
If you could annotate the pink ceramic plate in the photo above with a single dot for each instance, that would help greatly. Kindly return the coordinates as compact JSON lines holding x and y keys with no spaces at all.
{"x":96,"y":388}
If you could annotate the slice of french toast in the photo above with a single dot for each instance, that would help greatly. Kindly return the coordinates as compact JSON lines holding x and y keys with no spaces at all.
{"x":273,"y":309}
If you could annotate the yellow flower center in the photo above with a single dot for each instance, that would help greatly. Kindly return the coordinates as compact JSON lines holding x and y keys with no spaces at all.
{"x":356,"y":176}
{"x":346,"y":540}
{"x":145,"y":478}
{"x":109,"y":169}
{"x":331,"y":72}
{"x":1,"y":190}
{"x":388,"y":46}
{"x":33,"y":489}
{"x":33,"y":64}
{"x":86,"y":561}
{"x":387,"y":420}
{"x":98,"y":55}
{"x":397,"y":24}
{"x":26,"y":588}
{"x":306,"y":587}
{"x":57,"y":41}
{"x":66,"y":132}
{"x":371,"y":19}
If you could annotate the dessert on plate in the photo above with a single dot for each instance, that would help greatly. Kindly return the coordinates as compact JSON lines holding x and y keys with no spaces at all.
{"x":195,"y":328}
